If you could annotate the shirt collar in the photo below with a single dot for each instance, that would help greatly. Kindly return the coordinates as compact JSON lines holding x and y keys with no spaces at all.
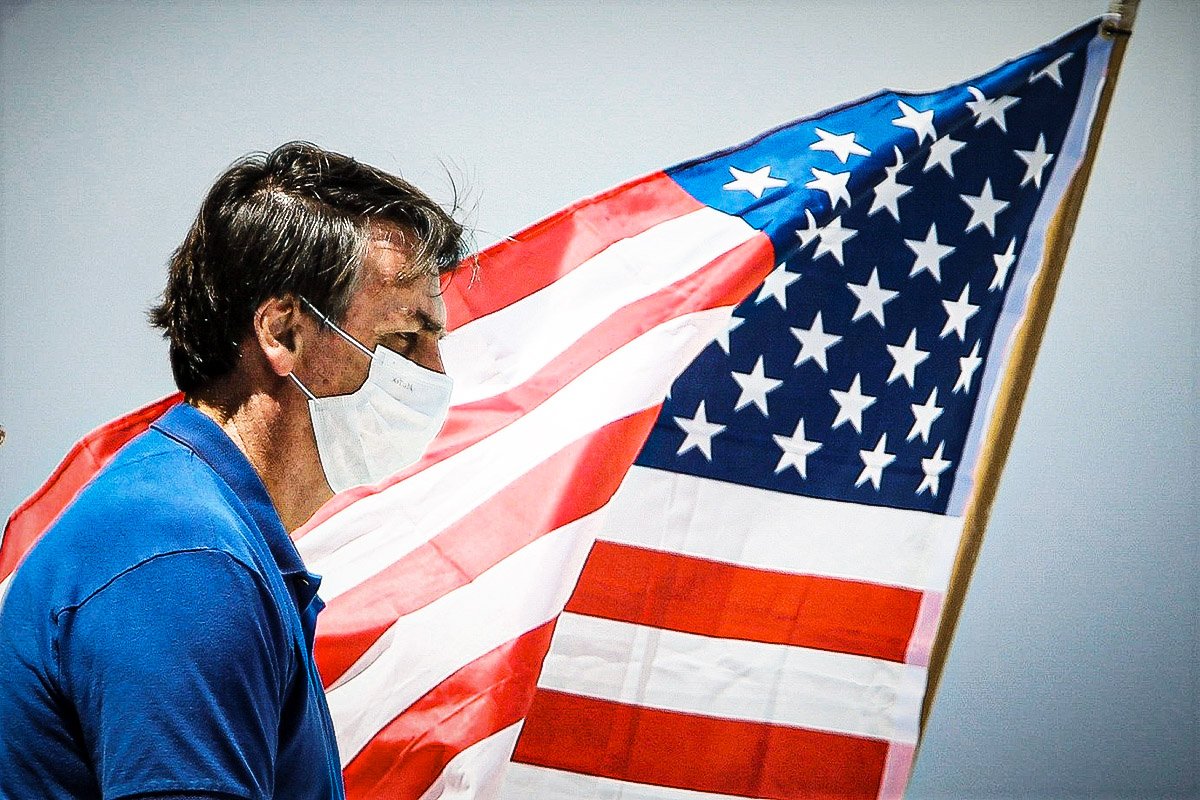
{"x":196,"y":431}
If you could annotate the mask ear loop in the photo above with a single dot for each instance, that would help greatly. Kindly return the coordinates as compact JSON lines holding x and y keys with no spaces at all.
{"x":326,"y":320}
{"x":301,"y":386}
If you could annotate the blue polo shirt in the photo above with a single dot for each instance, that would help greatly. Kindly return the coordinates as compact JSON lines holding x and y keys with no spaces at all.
{"x":158,"y":639}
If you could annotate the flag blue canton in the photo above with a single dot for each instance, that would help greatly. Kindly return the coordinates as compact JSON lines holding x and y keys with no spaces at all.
{"x":853,"y":373}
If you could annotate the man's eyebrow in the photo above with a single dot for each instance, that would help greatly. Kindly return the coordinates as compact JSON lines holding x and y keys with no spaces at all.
{"x":428,"y":323}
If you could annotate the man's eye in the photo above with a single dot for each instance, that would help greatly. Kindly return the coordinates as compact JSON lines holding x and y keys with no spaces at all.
{"x":403,"y":340}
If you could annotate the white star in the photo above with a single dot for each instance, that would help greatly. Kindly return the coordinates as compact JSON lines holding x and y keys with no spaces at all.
{"x":966,"y":369}
{"x":1004,"y":262}
{"x":776,"y":285}
{"x":814,"y":342}
{"x":889,"y":191}
{"x":755,"y":386}
{"x":1051,"y":70}
{"x":1035,"y":161}
{"x":957,"y":313}
{"x":722,"y":339}
{"x":831,"y":238}
{"x":810,"y":230}
{"x":929,"y":254}
{"x":933,"y":467}
{"x":873,"y":463}
{"x":755,"y":182}
{"x":984,"y":208}
{"x":924,"y":415}
{"x":986,"y":111}
{"x":700,"y":433}
{"x":832,"y":184}
{"x":906,"y":357}
{"x":871,"y":298}
{"x":941,"y":153}
{"x":919,"y":122}
{"x":851,"y":404}
{"x":841,"y":145}
{"x":796,"y":450}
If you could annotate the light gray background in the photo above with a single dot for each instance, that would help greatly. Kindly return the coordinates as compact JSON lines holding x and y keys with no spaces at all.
{"x":1074,"y":670}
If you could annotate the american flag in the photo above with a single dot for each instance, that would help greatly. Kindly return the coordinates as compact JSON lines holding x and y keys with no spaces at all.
{"x":688,"y":530}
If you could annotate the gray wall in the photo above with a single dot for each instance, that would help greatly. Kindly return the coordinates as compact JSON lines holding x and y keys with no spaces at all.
{"x":1074,"y":671}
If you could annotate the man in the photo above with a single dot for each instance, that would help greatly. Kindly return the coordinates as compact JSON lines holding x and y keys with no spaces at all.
{"x":158,"y":640}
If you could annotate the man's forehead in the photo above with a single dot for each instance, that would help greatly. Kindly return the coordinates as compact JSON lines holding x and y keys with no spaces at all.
{"x":415,"y":297}
{"x":421,"y":299}
{"x":391,"y":256}
{"x":388,"y":261}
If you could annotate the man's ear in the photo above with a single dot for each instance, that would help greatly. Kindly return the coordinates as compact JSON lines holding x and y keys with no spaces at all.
{"x":276,"y":332}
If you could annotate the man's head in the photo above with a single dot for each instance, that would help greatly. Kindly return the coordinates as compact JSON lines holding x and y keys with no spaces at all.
{"x":285,"y":244}
{"x":300,"y":221}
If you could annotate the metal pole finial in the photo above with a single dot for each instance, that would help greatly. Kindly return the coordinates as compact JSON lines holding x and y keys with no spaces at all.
{"x":1119,"y":19}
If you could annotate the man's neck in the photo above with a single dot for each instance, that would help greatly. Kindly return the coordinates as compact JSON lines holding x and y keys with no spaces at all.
{"x":278,"y":443}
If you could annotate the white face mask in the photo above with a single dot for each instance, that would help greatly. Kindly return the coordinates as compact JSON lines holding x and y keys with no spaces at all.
{"x":383,"y":426}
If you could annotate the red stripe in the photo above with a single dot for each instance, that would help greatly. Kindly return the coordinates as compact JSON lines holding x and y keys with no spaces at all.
{"x":694,"y":595}
{"x":89,"y":455}
{"x":725,"y":280}
{"x":690,"y":751}
{"x":570,"y":484}
{"x":547,"y":250}
{"x":482,"y":698}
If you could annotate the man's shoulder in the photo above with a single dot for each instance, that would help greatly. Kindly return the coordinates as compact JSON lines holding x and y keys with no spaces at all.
{"x":155,"y":498}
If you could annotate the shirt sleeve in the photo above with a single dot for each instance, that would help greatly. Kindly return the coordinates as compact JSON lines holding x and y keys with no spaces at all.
{"x":177,"y":670}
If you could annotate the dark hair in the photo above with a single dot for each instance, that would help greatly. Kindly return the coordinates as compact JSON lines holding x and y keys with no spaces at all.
{"x":295,"y":221}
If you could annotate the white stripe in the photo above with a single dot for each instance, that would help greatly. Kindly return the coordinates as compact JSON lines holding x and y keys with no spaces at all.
{"x":503,"y":349}
{"x":773,"y":530}
{"x":478,"y":771}
{"x":372,"y":533}
{"x":735,"y":679}
{"x":423,"y":648}
{"x":4,"y":584}
{"x":525,"y":781}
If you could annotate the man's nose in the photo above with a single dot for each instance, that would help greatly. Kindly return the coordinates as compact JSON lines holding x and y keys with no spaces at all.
{"x":428,"y":354}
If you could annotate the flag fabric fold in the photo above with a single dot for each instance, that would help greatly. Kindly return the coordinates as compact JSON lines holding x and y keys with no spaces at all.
{"x":689,"y":527}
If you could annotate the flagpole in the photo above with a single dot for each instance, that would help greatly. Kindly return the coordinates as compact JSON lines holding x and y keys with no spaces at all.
{"x":1118,"y":26}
